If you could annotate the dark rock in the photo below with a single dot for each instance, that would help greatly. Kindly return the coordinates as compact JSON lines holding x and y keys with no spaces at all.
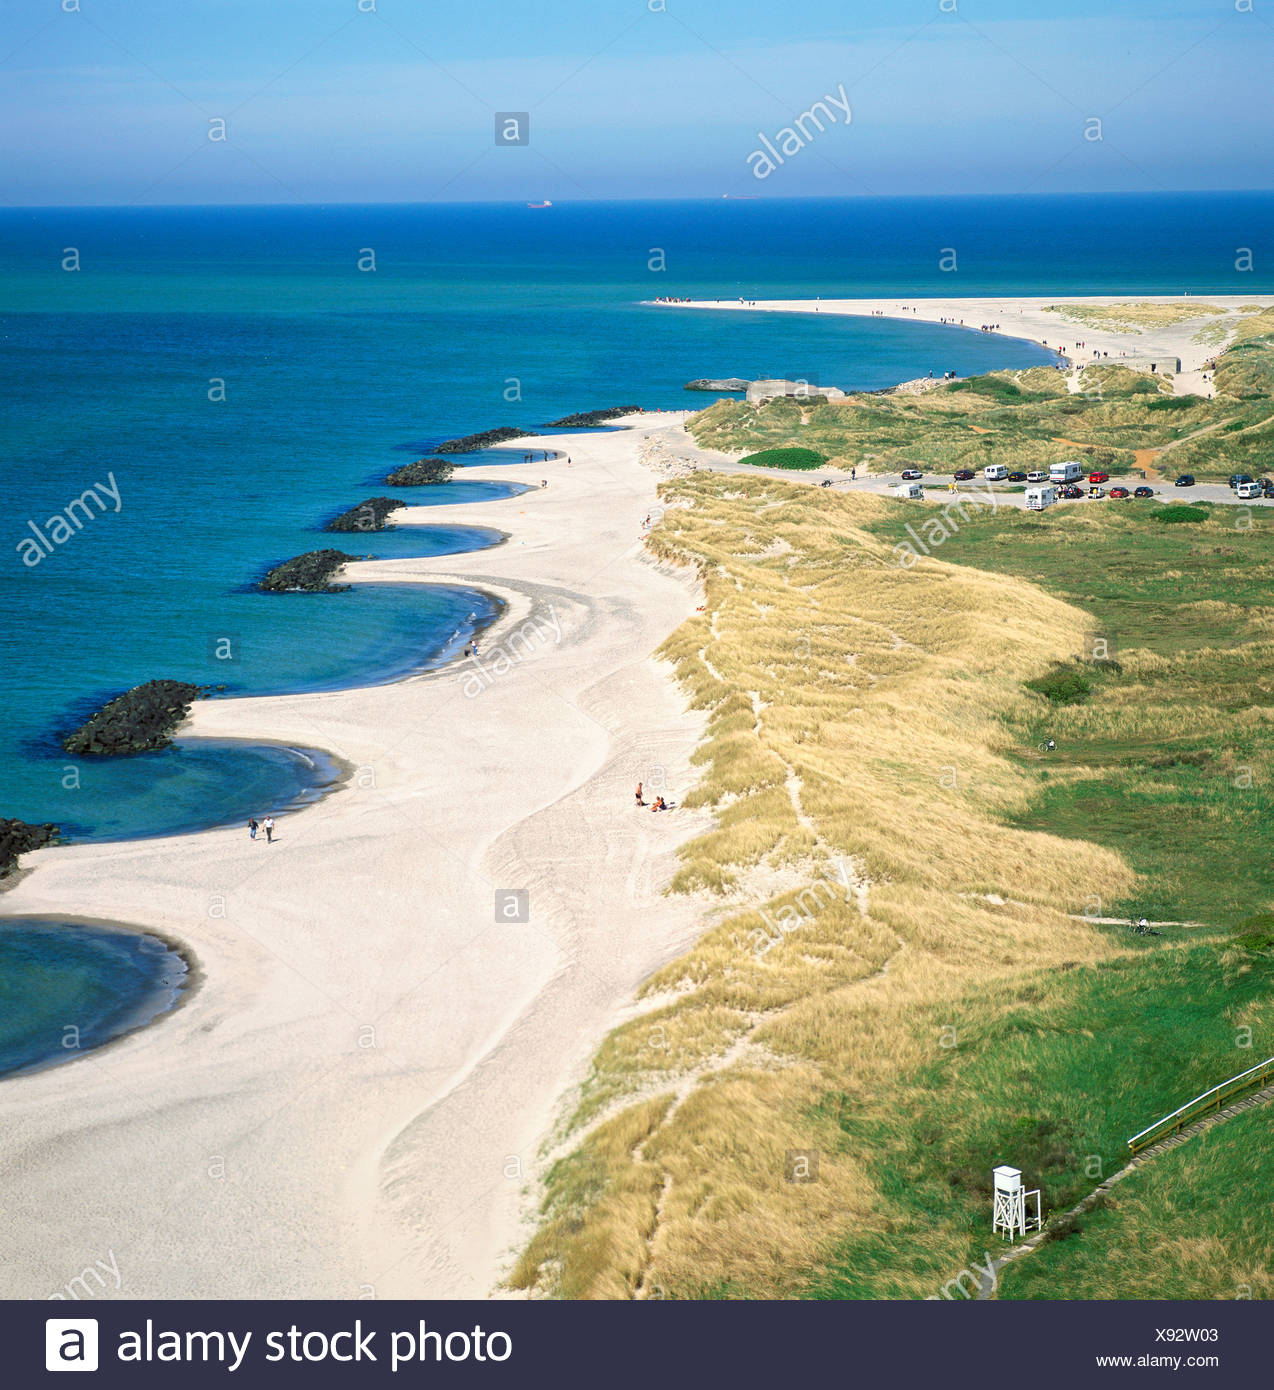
{"x":470,"y":443}
{"x":586,"y":419}
{"x":727,"y":383}
{"x":16,"y":837}
{"x":367,"y":516}
{"x":422,"y":473}
{"x":310,"y":573}
{"x":137,"y":721}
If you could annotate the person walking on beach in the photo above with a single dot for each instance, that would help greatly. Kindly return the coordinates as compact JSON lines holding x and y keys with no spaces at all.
{"x":252,"y":827}
{"x":640,"y":802}
{"x":853,"y":475}
{"x":268,"y":826}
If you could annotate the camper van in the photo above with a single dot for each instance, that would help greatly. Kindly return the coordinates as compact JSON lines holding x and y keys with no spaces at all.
{"x":1065,"y":472}
{"x":995,"y":472}
{"x":909,"y":492}
{"x":1037,"y":498}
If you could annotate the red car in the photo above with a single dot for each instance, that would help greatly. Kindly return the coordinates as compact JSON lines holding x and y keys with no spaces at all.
{"x":1120,"y":492}
{"x":962,"y":475}
{"x":1099,"y":477}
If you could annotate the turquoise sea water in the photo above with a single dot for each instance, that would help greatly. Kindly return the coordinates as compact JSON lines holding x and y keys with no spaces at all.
{"x":236,"y":378}
{"x":67,"y":987}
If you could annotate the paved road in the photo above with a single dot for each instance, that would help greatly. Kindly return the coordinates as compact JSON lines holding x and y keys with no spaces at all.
{"x":682,"y":448}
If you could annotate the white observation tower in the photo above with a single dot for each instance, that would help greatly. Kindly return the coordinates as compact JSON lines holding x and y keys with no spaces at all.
{"x":1010,"y":1216}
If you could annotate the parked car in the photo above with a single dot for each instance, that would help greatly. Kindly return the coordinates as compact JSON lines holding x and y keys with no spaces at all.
{"x":1143,"y":492}
{"x":962,"y":475}
{"x":1237,"y":478}
{"x":1120,"y":492}
{"x":1071,"y":491}
{"x":1099,"y":477}
{"x":1267,"y":487}
{"x":909,"y":475}
{"x":1185,"y":480}
{"x":1097,"y":492}
{"x":1018,"y":477}
{"x":1037,"y":475}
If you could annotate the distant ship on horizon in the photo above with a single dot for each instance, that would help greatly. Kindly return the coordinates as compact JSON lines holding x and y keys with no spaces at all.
{"x":544,"y":204}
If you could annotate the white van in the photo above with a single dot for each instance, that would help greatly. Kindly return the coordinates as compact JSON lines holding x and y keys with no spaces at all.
{"x":995,"y":472}
{"x":909,"y":492}
{"x":1070,"y":472}
{"x":1037,"y":475}
{"x":1249,"y":490}
{"x":1037,"y":498}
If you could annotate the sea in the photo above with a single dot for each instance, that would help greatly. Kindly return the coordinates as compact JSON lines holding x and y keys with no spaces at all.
{"x":230,"y":378}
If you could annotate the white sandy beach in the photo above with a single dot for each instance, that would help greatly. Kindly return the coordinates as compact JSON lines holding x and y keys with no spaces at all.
{"x":1030,"y":318}
{"x":351,"y":1102}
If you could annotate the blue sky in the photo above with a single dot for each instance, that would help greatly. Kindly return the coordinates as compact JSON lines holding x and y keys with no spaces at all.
{"x":395,"y":100}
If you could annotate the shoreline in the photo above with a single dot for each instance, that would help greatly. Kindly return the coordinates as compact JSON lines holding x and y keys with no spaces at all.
{"x":178,"y":995}
{"x":1027,"y":318}
{"x":408,"y":851}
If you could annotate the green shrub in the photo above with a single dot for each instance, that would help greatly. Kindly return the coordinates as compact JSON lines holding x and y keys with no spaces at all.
{"x":1176,"y":512}
{"x":1064,"y":685}
{"x":1256,"y":933}
{"x":786,"y":458}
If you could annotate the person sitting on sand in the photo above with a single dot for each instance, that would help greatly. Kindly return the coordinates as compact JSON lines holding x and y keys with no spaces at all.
{"x":640,"y":802}
{"x":659,"y":804}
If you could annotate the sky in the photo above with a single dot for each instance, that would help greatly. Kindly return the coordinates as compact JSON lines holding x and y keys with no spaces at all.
{"x":365,"y":101}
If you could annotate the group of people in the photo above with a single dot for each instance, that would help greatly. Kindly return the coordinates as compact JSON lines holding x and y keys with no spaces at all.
{"x":267,"y":825}
{"x":658,"y":804}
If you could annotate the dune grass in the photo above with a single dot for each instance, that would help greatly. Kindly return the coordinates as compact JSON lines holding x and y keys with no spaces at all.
{"x":858,"y":762}
{"x":903,"y":980}
{"x":1133,"y":317}
{"x":1170,"y":758}
{"x":1028,"y":419}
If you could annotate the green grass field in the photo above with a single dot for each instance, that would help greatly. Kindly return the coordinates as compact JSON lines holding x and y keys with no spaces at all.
{"x":1184,"y":1226}
{"x":1170,"y":758}
{"x":1053,"y":1080}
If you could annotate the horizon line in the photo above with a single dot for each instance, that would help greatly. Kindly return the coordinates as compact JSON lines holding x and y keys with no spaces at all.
{"x":654,"y":198}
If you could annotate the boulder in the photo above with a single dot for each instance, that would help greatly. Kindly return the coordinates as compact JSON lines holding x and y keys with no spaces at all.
{"x":367,"y":516}
{"x":16,"y":837}
{"x":137,"y":721}
{"x":422,"y":473}
{"x":310,"y":573}
{"x":470,"y":443}
{"x":588,"y":419}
